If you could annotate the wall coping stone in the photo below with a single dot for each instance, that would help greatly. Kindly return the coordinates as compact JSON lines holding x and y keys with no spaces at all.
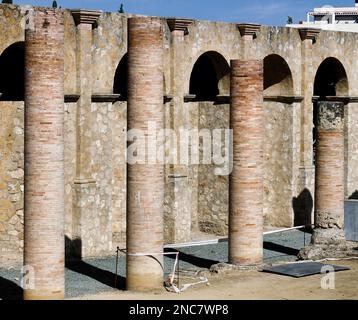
{"x":309,"y":33}
{"x":248,"y":29}
{"x":179,"y":24}
{"x":86,"y":16}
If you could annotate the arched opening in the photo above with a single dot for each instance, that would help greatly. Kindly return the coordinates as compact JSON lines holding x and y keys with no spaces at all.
{"x":279,"y":138}
{"x":120,"y":79}
{"x":209,"y":89}
{"x":277,"y":76}
{"x":12,"y":64}
{"x":210,"y":77}
{"x":331,"y":80}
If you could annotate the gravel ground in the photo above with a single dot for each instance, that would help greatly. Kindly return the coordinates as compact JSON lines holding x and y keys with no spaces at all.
{"x":97,"y":275}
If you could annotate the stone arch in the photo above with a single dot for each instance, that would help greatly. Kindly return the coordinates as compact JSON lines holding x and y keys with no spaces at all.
{"x":278,"y":141}
{"x":12,"y":64}
{"x":210,"y":77}
{"x":331,"y":79}
{"x":277,"y":76}
{"x":120,"y":78}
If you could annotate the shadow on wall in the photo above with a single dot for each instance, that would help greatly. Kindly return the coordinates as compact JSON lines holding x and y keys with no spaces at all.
{"x":10,"y":290}
{"x":354,"y":195}
{"x":302,"y":208}
{"x":210,"y":77}
{"x":331,"y":79}
{"x":120,"y":79}
{"x":277,"y":76}
{"x":12,"y":70}
{"x":73,"y":250}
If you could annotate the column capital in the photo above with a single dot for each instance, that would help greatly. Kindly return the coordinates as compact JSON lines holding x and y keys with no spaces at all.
{"x":330,"y":115}
{"x":309,"y":33}
{"x":85,"y":16}
{"x":179,"y":24}
{"x":248,"y":29}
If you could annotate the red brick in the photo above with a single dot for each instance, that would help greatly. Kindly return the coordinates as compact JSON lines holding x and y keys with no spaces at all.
{"x":145,"y":181}
{"x":246,"y":181}
{"x":44,"y":154}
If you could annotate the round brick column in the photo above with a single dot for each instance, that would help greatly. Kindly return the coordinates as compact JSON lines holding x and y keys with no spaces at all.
{"x":44,"y":154}
{"x":328,"y":239}
{"x":145,"y":181}
{"x":329,"y":190}
{"x":246,"y":181}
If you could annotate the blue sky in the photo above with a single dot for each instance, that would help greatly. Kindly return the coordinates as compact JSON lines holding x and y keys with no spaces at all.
{"x":271,"y":12}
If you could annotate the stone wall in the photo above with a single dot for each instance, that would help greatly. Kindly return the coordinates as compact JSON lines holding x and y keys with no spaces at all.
{"x":213,"y":189}
{"x":289,"y":172}
{"x":351,"y":142}
{"x":70,"y":164}
{"x":278,"y":164}
{"x":118,"y":124}
{"x":11,"y":180}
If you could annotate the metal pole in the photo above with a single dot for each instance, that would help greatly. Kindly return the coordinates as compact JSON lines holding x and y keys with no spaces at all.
{"x":178,"y":270}
{"x":115,"y":278}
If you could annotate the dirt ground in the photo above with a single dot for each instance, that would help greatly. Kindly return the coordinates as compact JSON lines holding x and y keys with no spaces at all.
{"x":255,"y":285}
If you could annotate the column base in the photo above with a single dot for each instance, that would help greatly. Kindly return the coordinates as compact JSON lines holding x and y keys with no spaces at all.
{"x":41,"y":295}
{"x":240,"y":256}
{"x":144,"y":282}
{"x":328,"y":243}
{"x":144,"y":273}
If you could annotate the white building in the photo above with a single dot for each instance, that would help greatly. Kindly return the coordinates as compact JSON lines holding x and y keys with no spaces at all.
{"x":332,"y":18}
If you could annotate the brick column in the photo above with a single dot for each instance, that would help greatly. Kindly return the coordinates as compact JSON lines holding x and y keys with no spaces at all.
{"x":86,"y":238}
{"x":328,"y":235}
{"x":329,"y":208}
{"x":44,"y":154}
{"x":246,"y":181}
{"x":145,"y":181}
